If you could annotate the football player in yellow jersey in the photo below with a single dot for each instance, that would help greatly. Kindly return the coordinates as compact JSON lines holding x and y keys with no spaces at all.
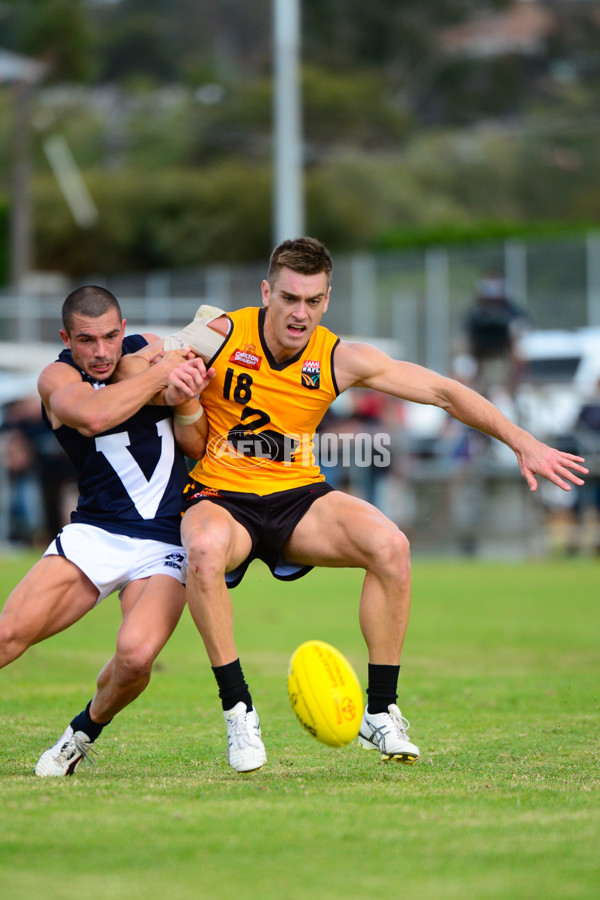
{"x":246,"y":504}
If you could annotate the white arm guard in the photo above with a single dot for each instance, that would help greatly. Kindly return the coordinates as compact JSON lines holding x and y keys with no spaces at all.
{"x":203,"y":340}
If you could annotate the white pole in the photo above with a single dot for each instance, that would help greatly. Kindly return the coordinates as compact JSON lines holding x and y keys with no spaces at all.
{"x":70,"y":180}
{"x":288,"y":186}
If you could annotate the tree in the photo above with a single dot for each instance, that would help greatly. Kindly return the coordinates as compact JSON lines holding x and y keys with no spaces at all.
{"x":58,"y":32}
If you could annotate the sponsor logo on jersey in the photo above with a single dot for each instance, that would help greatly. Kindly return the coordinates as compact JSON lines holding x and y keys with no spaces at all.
{"x":206,"y":492}
{"x":246,"y":357}
{"x":311,"y":374}
{"x":174,"y":560}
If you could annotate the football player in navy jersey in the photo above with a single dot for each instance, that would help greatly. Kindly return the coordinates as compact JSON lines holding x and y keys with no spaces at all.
{"x":127,"y":440}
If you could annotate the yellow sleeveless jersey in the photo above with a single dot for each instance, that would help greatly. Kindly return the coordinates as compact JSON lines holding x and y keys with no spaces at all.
{"x":262,"y":415}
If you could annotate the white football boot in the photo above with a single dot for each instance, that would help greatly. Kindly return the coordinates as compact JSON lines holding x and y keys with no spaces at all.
{"x":65,"y":755}
{"x":245,"y":748}
{"x":386,"y":732}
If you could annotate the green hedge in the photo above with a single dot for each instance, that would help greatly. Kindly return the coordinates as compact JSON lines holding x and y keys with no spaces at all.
{"x":480,"y":231}
{"x":157,"y":219}
{"x":4,"y":242}
{"x":171,"y":218}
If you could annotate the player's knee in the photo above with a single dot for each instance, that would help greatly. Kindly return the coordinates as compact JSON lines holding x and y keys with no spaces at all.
{"x":12,"y":641}
{"x":134,"y":659}
{"x":207,"y":552}
{"x":391,"y":554}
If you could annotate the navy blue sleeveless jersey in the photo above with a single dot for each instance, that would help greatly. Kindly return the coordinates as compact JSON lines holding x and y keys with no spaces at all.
{"x":131,"y":477}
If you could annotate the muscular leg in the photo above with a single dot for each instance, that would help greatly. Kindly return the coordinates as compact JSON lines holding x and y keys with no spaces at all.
{"x":337,"y":530}
{"x":340,"y":530}
{"x":215,"y":544}
{"x":355,"y":534}
{"x":151,"y":608}
{"x":52,"y":596}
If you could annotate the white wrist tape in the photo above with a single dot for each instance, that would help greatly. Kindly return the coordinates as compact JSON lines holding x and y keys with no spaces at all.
{"x":188,"y":420}
{"x":203,"y":340}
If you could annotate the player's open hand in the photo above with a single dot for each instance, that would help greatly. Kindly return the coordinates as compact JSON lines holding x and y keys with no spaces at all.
{"x":536,"y":458}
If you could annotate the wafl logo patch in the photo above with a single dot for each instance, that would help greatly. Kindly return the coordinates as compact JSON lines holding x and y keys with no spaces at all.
{"x":311,"y":374}
{"x":246,"y":357}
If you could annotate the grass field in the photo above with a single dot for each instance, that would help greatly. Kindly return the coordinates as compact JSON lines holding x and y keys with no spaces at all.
{"x":500,"y":680}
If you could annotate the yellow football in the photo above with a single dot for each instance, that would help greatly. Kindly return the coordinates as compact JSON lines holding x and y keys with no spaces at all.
{"x":325,"y":693}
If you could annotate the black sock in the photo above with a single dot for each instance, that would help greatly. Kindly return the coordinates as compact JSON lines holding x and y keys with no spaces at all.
{"x":383,"y":687}
{"x":84,"y":722}
{"x":232,"y":685}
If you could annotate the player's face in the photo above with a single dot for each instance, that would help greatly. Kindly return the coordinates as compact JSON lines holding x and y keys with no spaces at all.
{"x":295,"y":305}
{"x":96,"y":343}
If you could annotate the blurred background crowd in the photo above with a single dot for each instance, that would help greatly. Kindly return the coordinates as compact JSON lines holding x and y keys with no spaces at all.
{"x":444,"y":150}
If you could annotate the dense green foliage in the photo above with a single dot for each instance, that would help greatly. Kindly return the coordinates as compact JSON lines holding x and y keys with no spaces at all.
{"x":164,"y":103}
{"x":499,"y":680}
{"x":4,"y":229}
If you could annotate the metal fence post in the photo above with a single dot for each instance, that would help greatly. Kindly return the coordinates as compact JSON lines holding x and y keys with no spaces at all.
{"x":515,"y":269}
{"x":218,"y":286}
{"x":593,"y":278}
{"x":437,"y":311}
{"x":157,"y":297}
{"x":364,"y":296}
{"x":405,"y":325}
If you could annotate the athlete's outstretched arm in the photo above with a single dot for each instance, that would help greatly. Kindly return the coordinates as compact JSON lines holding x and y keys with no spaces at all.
{"x":361,"y":365}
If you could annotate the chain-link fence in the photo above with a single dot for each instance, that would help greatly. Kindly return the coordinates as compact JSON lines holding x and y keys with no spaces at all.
{"x":414,"y":303}
{"x":417,"y":298}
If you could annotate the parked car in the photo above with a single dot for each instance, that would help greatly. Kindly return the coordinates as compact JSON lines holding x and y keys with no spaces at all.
{"x":560,"y":370}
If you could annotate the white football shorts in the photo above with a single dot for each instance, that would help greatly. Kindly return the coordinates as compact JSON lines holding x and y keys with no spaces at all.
{"x":111,"y":561}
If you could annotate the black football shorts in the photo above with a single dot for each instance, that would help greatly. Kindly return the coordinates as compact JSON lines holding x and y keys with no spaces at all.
{"x":269,"y":520}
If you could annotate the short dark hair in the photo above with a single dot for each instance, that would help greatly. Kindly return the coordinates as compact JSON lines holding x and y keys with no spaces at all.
{"x":305,"y":255}
{"x":91,"y":301}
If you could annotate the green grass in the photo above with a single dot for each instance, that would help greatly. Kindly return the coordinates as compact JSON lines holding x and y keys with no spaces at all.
{"x":500,"y":681}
